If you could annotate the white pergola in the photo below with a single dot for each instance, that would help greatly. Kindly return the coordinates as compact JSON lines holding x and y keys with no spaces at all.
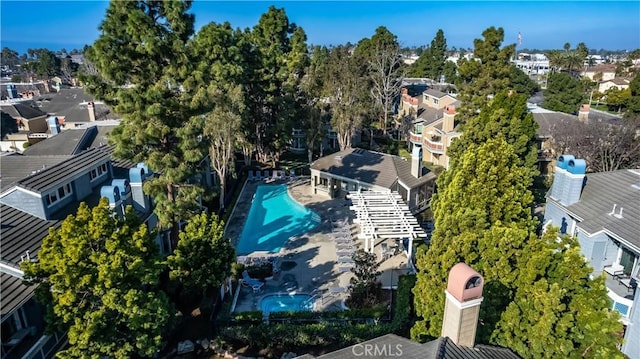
{"x":383,"y":216}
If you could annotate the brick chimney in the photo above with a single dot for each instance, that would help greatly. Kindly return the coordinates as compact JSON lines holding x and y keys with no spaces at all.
{"x":583,"y":114}
{"x":462,"y":305}
{"x":449,"y":118}
{"x":92,"y":111}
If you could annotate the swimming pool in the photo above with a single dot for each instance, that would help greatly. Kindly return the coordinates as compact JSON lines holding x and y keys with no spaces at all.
{"x":286,"y":303}
{"x":273,"y":218}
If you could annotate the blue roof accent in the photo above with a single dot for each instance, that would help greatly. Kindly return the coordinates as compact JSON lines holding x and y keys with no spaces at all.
{"x":111,"y":192}
{"x":139,"y":173}
{"x":577,"y":166}
{"x":563,"y":161}
{"x":122,"y":185}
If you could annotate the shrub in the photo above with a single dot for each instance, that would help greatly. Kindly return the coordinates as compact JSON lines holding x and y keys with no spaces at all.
{"x":403,"y":316}
{"x":260,"y":271}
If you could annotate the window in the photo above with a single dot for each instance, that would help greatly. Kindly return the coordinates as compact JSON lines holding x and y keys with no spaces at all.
{"x":98,"y":171}
{"x":57,"y":194}
{"x":435,"y":101}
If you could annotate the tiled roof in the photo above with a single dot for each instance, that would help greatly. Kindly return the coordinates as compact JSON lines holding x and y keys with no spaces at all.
{"x":403,"y":168}
{"x":601,"y":192}
{"x":430,"y":115}
{"x":21,"y":232}
{"x":371,"y":167}
{"x":67,"y":142}
{"x":59,"y":173}
{"x":21,"y":110}
{"x":601,"y":68}
{"x":15,"y":167}
{"x":14,"y":293}
{"x":620,"y":81}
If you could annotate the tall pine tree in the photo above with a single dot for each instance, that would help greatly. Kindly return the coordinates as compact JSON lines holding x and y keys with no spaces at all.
{"x":142,"y":62}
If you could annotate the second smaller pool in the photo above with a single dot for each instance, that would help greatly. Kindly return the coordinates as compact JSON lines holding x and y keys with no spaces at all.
{"x":286,"y":303}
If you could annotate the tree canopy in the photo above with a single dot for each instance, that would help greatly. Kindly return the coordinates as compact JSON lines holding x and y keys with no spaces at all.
{"x":203,"y":257}
{"x":345,"y":88}
{"x":277,"y":62}
{"x":558,"y":310}
{"x":431,"y":63}
{"x":142,"y":60}
{"x":504,"y":115}
{"x":98,"y":276}
{"x":564,"y":93}
{"x":490,"y":72}
{"x":483,"y":218}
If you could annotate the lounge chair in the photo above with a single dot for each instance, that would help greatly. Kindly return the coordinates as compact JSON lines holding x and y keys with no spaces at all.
{"x":265,"y":176}
{"x":615,"y":269}
{"x":345,"y":246}
{"x":345,"y":253}
{"x":251,"y":176}
{"x":343,"y":260}
{"x":255,"y":284}
{"x":276,"y":175}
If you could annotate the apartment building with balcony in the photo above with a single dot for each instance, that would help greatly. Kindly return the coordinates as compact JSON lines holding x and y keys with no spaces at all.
{"x":603,"y":211}
{"x":433,"y":128}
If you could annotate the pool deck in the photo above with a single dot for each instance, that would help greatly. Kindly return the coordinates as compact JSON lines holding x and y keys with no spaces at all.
{"x":312,"y":255}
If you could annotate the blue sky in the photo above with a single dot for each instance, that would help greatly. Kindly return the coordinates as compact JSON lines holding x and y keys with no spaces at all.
{"x":543,"y":24}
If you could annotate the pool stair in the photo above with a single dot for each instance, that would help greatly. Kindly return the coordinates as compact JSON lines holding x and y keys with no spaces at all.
{"x":315,"y":294}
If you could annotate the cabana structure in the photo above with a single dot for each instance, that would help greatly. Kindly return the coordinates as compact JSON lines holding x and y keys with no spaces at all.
{"x":355,"y":169}
{"x":382,"y":216}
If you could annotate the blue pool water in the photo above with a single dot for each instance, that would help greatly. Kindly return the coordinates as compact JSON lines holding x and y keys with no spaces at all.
{"x":286,"y":303}
{"x":274,"y":217}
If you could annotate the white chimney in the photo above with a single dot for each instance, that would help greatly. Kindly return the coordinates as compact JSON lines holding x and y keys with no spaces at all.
{"x":416,"y":161}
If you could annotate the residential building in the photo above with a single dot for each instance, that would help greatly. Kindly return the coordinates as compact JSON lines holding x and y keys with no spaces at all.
{"x":601,"y":72}
{"x":38,"y":190}
{"x":616,"y":82}
{"x":75,"y":108}
{"x":433,"y":129}
{"x":356,"y":169}
{"x":31,"y":125}
{"x":603,"y":211}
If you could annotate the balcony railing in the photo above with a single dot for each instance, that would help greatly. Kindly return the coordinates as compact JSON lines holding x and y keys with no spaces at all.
{"x":415,"y":138}
{"x":621,"y":295}
{"x":434,"y":147}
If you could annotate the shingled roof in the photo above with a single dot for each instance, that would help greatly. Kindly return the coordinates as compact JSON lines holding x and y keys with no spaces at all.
{"x":68,"y":142}
{"x":60,"y":172}
{"x":21,"y":110}
{"x":601,"y":191}
{"x":371,"y":167}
